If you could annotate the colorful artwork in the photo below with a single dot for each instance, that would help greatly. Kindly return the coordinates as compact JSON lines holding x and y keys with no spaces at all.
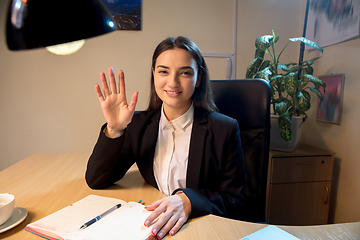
{"x":329,"y":110}
{"x":126,"y":13}
{"x":333,"y":21}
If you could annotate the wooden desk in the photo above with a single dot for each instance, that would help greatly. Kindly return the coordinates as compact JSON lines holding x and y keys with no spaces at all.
{"x":46,"y":182}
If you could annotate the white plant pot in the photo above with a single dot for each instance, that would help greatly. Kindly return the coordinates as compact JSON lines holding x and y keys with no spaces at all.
{"x":277,"y":142}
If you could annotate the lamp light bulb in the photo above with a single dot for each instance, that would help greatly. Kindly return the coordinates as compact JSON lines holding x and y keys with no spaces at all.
{"x":66,"y":48}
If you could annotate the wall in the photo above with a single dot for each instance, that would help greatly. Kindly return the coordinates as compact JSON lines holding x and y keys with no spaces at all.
{"x":343,"y":139}
{"x":49,"y":103}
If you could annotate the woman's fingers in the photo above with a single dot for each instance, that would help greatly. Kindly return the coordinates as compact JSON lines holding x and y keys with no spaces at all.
{"x":112,"y":82}
{"x":110,"y":87}
{"x":166,"y":223}
{"x":133,"y":101}
{"x":99,"y":93}
{"x":104,"y":84}
{"x":168,"y":216}
{"x":180,"y":222}
{"x":156,"y":211}
{"x":169,"y":222}
{"x":121,"y":82}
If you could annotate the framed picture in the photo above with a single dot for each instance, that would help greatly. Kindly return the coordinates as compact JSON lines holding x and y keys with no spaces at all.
{"x":332,"y":21}
{"x":126,"y":13}
{"x":329,"y":110}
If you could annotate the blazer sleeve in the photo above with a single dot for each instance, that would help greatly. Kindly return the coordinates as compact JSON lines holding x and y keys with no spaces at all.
{"x":109,"y":161}
{"x":227,"y":199}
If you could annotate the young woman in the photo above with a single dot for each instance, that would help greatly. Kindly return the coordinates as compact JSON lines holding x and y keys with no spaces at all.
{"x":181,"y":145}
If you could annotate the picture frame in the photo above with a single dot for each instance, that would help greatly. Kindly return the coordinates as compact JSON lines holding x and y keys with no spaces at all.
{"x":330,"y":109}
{"x":331,"y":22}
{"x":126,"y":13}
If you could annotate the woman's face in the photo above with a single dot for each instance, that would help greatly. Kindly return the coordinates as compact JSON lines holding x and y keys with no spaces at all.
{"x":175,"y":79}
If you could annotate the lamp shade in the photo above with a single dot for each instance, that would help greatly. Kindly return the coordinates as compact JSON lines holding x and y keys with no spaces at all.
{"x":40,"y":23}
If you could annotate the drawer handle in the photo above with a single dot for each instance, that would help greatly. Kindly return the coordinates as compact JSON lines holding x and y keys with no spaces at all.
{"x":327,"y":195}
{"x":305,"y":163}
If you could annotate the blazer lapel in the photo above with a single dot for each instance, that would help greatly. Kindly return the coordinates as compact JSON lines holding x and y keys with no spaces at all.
{"x":196,"y":150}
{"x":149,"y":144}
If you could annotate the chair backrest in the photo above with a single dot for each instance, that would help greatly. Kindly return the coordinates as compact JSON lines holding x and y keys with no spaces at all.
{"x":248,"y":101}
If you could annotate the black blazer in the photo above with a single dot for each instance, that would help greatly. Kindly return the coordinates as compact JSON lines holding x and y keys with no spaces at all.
{"x":215,"y":174}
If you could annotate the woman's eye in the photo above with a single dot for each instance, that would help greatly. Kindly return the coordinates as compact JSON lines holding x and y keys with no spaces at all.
{"x":186,"y":73}
{"x":162,"y":72}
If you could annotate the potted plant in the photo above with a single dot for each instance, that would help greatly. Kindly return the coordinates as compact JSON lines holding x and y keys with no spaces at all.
{"x":289,"y":82}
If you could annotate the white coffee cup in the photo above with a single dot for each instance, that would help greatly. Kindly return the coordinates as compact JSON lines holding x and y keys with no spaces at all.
{"x":7,"y":205}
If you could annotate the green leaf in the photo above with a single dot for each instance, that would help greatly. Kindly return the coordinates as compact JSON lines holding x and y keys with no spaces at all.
{"x":315,"y":80}
{"x":264,"y":74}
{"x":264,"y":65}
{"x":318,"y":93}
{"x":308,"y":70}
{"x":305,"y":117}
{"x":307,"y":42}
{"x":272,"y":68}
{"x":253,"y":67}
{"x":275,"y":80}
{"x":314,"y":59}
{"x":281,"y":107}
{"x":259,"y":53}
{"x":304,"y":81}
{"x":306,"y":94}
{"x":291,"y":83}
{"x":274,"y":40}
{"x":283,"y":67}
{"x":263,"y":42}
{"x":284,"y":123}
{"x":310,"y":62}
{"x":303,"y":102}
{"x":295,"y":69}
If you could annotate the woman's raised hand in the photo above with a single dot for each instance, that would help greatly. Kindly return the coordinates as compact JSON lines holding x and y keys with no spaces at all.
{"x":117,"y":112}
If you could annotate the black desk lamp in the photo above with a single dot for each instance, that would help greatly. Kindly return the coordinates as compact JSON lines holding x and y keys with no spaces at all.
{"x":40,"y":23}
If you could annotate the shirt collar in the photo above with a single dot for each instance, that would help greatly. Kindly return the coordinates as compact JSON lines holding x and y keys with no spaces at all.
{"x":180,"y":123}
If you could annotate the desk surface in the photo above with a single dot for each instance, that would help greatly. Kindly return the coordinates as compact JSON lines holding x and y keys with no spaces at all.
{"x":46,"y":182}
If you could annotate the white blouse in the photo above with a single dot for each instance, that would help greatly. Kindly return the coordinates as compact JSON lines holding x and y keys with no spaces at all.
{"x":172,"y":151}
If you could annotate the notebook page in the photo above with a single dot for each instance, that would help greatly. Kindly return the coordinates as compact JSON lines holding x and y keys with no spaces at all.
{"x":68,"y":220}
{"x":126,"y":222}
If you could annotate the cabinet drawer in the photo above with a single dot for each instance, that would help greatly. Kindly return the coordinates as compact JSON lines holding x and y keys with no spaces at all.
{"x":299,"y":203}
{"x":301,"y":169}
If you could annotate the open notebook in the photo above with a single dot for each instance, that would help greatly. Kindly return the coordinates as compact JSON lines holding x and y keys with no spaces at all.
{"x":126,"y":222}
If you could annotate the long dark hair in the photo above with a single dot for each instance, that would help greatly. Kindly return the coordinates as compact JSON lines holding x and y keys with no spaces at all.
{"x":202,"y":96}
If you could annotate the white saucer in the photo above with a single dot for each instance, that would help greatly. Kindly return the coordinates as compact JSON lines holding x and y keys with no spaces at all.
{"x":19,"y":215}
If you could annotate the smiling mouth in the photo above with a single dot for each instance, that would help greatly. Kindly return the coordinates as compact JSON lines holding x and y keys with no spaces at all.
{"x":172,"y":92}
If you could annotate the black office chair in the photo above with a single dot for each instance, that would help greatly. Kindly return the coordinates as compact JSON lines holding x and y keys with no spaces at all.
{"x":248,"y":101}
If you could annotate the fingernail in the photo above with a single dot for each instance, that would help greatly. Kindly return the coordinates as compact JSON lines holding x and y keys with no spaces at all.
{"x":147,"y":223}
{"x":172,"y":233}
{"x":160,"y":235}
{"x":154,"y":231}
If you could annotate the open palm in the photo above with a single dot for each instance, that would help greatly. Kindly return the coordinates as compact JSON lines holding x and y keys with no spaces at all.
{"x":117,"y":112}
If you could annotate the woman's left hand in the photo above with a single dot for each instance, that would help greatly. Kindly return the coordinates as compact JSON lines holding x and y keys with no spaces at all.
{"x":173,"y":212}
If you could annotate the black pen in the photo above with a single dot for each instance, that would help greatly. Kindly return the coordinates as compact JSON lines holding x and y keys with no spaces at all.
{"x":99,"y":217}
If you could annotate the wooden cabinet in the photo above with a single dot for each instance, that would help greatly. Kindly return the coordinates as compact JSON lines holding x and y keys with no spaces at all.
{"x":299,"y":185}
